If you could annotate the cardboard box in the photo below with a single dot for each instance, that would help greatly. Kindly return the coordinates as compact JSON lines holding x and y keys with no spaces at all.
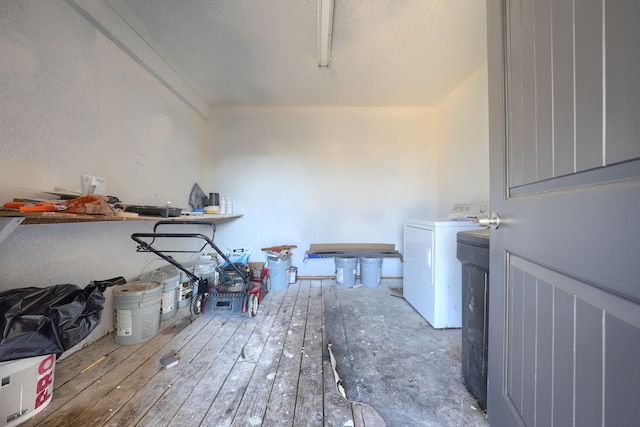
{"x":257,"y":270}
{"x":328,"y":250}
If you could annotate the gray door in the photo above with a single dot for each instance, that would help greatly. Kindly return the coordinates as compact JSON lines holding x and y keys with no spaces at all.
{"x":564,"y":96}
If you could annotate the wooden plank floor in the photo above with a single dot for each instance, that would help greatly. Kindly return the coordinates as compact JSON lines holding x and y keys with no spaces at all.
{"x":234,"y":370}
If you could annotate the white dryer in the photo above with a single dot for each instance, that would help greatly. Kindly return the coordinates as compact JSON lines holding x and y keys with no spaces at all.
{"x":432,"y":281}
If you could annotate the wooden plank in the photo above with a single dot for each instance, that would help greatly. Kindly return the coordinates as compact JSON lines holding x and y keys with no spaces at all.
{"x":107,"y":395}
{"x":309,"y":409}
{"x":186,"y":344}
{"x":201,"y":399}
{"x":225,"y":406}
{"x":282,"y":401}
{"x":69,"y":367}
{"x":185,"y":376}
{"x":33,"y":218}
{"x":255,"y":400}
{"x":216,"y":362}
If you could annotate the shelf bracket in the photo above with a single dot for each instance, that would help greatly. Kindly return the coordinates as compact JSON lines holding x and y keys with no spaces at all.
{"x":8,"y":225}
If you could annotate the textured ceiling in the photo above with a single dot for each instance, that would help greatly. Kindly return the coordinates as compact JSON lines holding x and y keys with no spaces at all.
{"x":264,"y":52}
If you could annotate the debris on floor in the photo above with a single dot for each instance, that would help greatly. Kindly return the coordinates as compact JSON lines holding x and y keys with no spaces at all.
{"x":170,"y":360}
{"x":335,"y":373}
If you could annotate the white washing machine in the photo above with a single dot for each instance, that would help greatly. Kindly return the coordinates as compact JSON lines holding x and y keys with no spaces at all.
{"x":432,"y":281}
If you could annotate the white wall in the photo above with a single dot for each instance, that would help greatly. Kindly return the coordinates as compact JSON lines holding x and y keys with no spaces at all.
{"x":337,"y":175}
{"x":72,"y":102}
{"x":323,"y":175}
{"x":463,"y":144}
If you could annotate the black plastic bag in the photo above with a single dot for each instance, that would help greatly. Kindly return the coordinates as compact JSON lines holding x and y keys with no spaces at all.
{"x":40,"y":321}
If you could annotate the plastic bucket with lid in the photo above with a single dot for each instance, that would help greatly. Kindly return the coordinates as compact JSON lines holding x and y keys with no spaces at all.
{"x":136,"y":311}
{"x":279,"y":272}
{"x":346,"y":271}
{"x":370,"y":271}
{"x":27,"y":388}
{"x":170,"y":279}
{"x":206,"y":269}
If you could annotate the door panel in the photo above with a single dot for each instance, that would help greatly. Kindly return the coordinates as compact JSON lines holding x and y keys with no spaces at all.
{"x":588,"y":102}
{"x":623,"y":373}
{"x":565,"y":178}
{"x":543,"y":99}
{"x":560,"y":334}
{"x":556,"y":112}
{"x":561,"y":87}
{"x":623,"y":90}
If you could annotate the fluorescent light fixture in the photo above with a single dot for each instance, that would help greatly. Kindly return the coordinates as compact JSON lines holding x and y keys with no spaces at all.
{"x":325,"y":28}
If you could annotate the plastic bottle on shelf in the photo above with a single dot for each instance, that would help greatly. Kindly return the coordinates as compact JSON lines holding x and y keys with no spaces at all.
{"x":229,"y":209}
{"x":223,"y":206}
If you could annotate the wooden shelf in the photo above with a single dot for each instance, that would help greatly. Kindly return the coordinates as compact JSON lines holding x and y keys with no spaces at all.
{"x":63,"y":218}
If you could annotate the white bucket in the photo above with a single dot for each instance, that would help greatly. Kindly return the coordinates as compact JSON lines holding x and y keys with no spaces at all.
{"x":169,"y":277}
{"x":370,"y":271}
{"x":206,"y":269}
{"x":278,"y":272}
{"x":137,"y":311}
{"x":346,"y":271}
{"x":27,"y":388}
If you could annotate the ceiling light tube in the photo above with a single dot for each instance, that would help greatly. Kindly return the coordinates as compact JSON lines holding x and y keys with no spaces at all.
{"x":325,"y":29}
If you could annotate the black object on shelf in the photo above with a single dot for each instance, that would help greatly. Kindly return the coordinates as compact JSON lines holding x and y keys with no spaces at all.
{"x":154,"y":211}
{"x":473,"y":253}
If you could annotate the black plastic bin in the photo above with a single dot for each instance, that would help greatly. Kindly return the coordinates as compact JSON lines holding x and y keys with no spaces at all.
{"x":473,"y":253}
